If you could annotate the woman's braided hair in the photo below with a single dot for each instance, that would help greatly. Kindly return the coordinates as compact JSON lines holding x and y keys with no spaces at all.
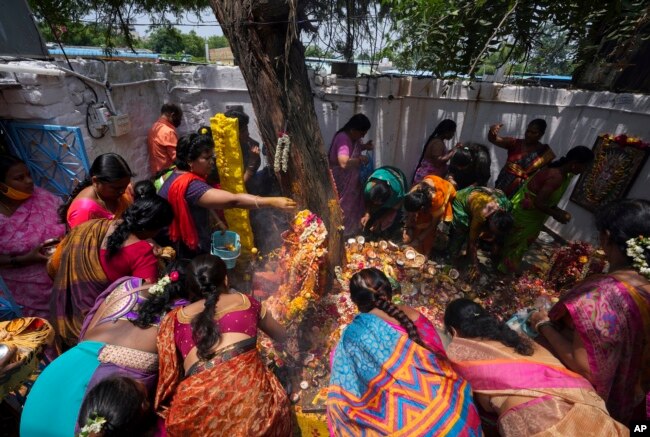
{"x":370,"y":288}
{"x":206,"y":279}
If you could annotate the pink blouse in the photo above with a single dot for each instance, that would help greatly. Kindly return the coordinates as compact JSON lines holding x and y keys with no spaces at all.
{"x":84,"y":209}
{"x":243,"y":319}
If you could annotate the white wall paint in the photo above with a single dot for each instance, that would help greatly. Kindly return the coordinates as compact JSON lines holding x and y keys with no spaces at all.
{"x":404,"y":111}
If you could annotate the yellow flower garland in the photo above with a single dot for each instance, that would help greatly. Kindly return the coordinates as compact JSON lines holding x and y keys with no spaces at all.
{"x":225,"y":132}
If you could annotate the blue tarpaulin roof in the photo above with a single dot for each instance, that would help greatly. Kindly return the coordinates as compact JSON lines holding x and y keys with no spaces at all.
{"x":99,"y":52}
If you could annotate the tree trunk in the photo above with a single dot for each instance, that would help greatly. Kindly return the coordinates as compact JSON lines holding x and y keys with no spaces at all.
{"x":264,"y":40}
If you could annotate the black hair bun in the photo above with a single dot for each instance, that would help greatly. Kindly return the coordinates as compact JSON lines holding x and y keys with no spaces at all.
{"x":144,"y":190}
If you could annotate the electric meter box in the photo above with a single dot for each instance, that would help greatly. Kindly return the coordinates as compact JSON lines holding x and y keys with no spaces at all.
{"x":119,"y":125}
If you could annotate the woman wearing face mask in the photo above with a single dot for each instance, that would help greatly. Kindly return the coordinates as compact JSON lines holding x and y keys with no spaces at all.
{"x":103,"y":194}
{"x":27,"y":219}
{"x":537,"y":199}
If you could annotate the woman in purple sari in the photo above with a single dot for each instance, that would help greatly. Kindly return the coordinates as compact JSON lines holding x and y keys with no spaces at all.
{"x":345,"y":160}
{"x":118,"y":338}
{"x":601,"y":327}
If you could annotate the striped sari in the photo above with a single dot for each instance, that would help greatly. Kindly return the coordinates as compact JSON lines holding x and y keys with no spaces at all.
{"x":520,"y":166}
{"x":78,"y":279}
{"x":613,"y":321}
{"x":533,"y":396}
{"x":382,"y":383}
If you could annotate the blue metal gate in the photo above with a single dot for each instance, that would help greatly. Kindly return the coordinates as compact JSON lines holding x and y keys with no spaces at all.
{"x":55,"y":155}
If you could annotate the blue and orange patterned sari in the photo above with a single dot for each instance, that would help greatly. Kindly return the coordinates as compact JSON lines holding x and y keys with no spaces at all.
{"x":382,"y":383}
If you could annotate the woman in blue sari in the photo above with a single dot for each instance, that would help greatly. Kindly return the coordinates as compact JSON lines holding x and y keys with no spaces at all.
{"x":390,"y":374}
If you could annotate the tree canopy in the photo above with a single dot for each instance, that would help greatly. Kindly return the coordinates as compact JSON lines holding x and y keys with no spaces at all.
{"x":457,"y":36}
{"x":600,"y":39}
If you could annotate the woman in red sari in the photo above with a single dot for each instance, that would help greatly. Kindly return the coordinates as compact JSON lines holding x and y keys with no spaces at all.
{"x":212,"y":380}
{"x":525,"y":155}
{"x":601,"y":327}
{"x":98,"y":252}
{"x":522,"y":383}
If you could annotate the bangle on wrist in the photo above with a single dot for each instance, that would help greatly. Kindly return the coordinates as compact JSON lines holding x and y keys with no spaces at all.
{"x":257,"y":205}
{"x":539,"y":325}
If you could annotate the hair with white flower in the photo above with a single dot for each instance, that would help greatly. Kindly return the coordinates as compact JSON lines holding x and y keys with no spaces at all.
{"x":637,"y":249}
{"x":159,"y":287}
{"x":92,"y":426}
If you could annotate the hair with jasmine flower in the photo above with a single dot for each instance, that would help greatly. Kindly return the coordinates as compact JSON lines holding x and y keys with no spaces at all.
{"x":370,"y":288}
{"x":166,"y":291}
{"x":627,"y":224}
{"x":117,"y":406}
{"x":637,"y":249}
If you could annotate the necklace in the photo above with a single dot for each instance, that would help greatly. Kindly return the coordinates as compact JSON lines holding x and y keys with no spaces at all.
{"x":101,"y":201}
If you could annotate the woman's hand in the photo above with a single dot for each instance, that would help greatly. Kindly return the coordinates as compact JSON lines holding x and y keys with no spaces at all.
{"x":494,"y":129}
{"x":34,"y":256}
{"x":538,"y":317}
{"x":369,"y":145}
{"x":364,"y":219}
{"x":283,"y":203}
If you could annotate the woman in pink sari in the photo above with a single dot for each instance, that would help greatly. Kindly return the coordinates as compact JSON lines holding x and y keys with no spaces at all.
{"x":345,"y":160}
{"x":102,"y":195}
{"x":27,"y":219}
{"x":601,"y":327}
{"x":524,"y":385}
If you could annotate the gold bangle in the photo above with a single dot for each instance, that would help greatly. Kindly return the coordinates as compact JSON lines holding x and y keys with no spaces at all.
{"x":257,"y":206}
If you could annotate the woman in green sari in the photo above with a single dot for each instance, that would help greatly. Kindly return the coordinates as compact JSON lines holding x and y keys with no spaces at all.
{"x":383,"y":195}
{"x":537,"y":199}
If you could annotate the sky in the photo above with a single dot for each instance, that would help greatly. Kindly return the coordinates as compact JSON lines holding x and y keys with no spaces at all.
{"x":206,"y":28}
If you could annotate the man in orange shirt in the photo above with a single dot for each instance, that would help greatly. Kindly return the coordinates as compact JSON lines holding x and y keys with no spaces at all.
{"x":162,"y":138}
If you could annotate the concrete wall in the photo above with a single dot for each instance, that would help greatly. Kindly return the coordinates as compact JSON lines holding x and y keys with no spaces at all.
{"x":404,"y":111}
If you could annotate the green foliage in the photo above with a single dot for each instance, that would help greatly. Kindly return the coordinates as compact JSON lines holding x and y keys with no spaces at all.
{"x":347,"y":25}
{"x":313,"y":51}
{"x":218,"y":42}
{"x":458,"y":35}
{"x":116,"y":16}
{"x":166,"y":40}
{"x":193,"y":44}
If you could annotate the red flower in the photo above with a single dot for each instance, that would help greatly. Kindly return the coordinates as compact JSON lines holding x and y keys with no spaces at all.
{"x":621,"y":139}
{"x":173,"y":276}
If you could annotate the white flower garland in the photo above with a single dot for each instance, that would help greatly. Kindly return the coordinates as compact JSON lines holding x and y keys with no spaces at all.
{"x":636,"y":249}
{"x":93,"y":426}
{"x":282,"y":147}
{"x":159,"y":287}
